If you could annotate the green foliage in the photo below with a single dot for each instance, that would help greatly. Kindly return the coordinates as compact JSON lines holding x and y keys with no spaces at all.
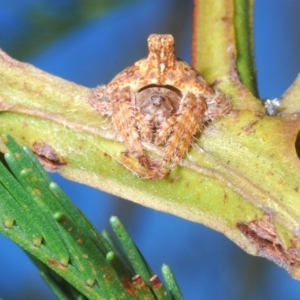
{"x":37,"y":215}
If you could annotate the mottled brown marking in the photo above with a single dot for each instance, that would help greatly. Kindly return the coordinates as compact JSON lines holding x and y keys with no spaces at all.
{"x":4,"y":139}
{"x":249,"y":128}
{"x":262,"y":233}
{"x":139,"y":282}
{"x":106,"y":155}
{"x":175,"y":179}
{"x":48,"y":157}
{"x":62,"y":220}
{"x":226,"y":19}
{"x":128,"y":285}
{"x":161,"y":100}
{"x":161,"y":53}
{"x":259,"y":114}
{"x":155,"y":282}
{"x":56,"y":263}
{"x":37,"y":191}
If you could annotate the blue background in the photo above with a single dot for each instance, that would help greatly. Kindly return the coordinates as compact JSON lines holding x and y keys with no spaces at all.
{"x":206,"y":264}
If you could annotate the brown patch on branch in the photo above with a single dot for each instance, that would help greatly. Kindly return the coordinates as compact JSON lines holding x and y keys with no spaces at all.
{"x":48,"y":157}
{"x":249,"y":128}
{"x":262,"y":233}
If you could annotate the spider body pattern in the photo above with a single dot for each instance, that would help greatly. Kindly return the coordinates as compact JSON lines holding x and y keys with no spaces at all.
{"x":160,"y":100}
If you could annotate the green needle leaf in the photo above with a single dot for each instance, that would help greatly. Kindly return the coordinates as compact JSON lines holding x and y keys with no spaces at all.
{"x":132,"y":251}
{"x":66,"y":241}
{"x":81,"y":221}
{"x":171,"y":283}
{"x":159,"y":289}
{"x":122,"y":271}
{"x":11,"y":211}
{"x":142,"y":287}
{"x":115,"y":247}
{"x":36,"y":210}
{"x":60,"y":287}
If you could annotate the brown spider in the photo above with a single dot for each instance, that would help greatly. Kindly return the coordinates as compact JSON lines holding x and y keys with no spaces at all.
{"x":160,"y":100}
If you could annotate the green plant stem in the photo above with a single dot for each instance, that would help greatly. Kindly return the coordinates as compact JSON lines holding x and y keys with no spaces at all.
{"x":243,"y":27}
{"x":222,"y":49}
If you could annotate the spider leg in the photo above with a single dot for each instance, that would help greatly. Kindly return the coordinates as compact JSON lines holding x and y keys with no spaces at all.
{"x":99,"y":101}
{"x":125,"y":123}
{"x":143,"y":127}
{"x":165,"y":131}
{"x":188,"y":119}
{"x":217,"y":106}
{"x":130,"y":125}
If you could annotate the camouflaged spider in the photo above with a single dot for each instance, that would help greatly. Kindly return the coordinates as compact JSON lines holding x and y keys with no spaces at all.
{"x":161,"y":100}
